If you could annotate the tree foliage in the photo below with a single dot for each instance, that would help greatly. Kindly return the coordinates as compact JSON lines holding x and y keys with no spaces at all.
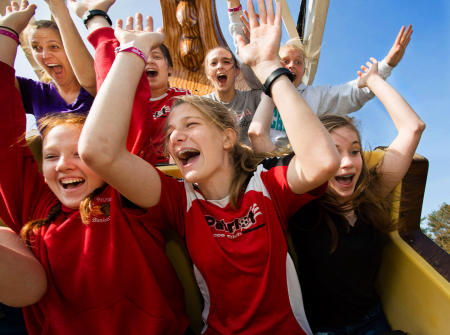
{"x":438,"y":227}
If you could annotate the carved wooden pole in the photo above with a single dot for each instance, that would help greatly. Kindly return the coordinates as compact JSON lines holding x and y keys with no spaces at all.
{"x":191,"y":49}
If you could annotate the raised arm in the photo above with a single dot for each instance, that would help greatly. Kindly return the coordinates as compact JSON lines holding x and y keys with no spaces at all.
{"x":102,"y":142}
{"x":397,"y":51}
{"x":22,"y":278}
{"x":259,"y":129}
{"x":13,"y":23}
{"x":79,"y":57}
{"x":316,"y":158}
{"x":237,"y":28}
{"x":400,"y":152}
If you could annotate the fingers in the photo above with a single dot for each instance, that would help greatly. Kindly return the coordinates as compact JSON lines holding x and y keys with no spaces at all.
{"x":119,"y":24}
{"x":23,"y":4}
{"x":138,"y":19}
{"x":15,"y":6}
{"x":270,"y":12}
{"x":129,"y":23}
{"x":251,"y":15}
{"x":262,"y":11}
{"x":149,"y":24}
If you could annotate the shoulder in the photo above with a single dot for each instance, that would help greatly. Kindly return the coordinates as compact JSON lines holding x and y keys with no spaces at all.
{"x":175,"y":91}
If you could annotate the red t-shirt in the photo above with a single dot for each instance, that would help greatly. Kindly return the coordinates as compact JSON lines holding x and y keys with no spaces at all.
{"x":110,"y":276}
{"x":242,"y":266}
{"x":161,"y":107}
{"x":150,"y":142}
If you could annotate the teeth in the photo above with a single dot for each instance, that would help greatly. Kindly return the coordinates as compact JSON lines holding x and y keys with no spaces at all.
{"x":187,"y":153}
{"x":71,"y":181}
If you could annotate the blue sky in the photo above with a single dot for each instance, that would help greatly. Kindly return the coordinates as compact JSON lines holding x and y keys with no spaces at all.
{"x":355,"y":31}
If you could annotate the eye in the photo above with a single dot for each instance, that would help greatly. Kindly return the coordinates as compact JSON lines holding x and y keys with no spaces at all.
{"x":49,"y":157}
{"x":284,"y":61}
{"x":355,"y":152}
{"x":36,"y":48}
{"x":191,"y":124}
{"x":297,"y":62}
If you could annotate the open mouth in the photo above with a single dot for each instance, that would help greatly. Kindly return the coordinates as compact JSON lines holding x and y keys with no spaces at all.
{"x":55,"y":68}
{"x":69,"y":183}
{"x":186,"y":156}
{"x":345,"y":180}
{"x":151,"y":73}
{"x":222,"y":78}
{"x":294,"y":76}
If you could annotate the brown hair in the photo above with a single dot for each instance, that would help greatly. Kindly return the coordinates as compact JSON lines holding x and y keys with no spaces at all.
{"x":45,"y":124}
{"x":367,"y":201}
{"x":244,"y":159}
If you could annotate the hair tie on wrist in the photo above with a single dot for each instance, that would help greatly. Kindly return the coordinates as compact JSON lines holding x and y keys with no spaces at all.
{"x":128,"y":47}
{"x":274,"y":76}
{"x":95,"y":12}
{"x":11,"y":33}
{"x":235,"y":9}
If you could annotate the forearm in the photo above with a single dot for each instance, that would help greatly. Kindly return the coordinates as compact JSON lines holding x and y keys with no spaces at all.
{"x":403,"y":116}
{"x":8,"y":50}
{"x":316,"y":158}
{"x":105,"y":132}
{"x":79,"y":57}
{"x":259,"y":129}
{"x":22,"y":277}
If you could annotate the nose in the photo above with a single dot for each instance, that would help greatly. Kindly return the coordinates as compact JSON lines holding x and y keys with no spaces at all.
{"x":177,"y":136}
{"x":45,"y":53}
{"x":64,"y":164}
{"x":346,"y":161}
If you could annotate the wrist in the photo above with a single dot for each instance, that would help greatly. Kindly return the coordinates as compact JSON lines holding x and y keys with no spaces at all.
{"x":273,"y":77}
{"x":233,"y":3}
{"x":131,"y":47}
{"x":96,"y":13}
{"x":10,"y":32}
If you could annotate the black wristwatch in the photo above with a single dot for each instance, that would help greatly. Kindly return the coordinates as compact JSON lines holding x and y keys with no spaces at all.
{"x":95,"y":12}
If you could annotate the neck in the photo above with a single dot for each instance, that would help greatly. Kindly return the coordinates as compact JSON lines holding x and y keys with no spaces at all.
{"x":157,"y":92}
{"x":217,"y":186}
{"x":226,"y":96}
{"x":69,"y":91}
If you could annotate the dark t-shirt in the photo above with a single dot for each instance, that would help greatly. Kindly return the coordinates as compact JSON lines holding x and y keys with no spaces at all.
{"x":40,"y":98}
{"x":338,"y":288}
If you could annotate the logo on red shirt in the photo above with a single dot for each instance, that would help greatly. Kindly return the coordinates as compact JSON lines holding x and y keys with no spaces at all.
{"x":237,"y":226}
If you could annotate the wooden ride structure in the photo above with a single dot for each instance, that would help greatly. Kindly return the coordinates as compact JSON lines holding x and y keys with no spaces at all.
{"x":415,"y":273}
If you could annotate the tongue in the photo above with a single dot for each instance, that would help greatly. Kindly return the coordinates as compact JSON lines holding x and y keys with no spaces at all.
{"x":222,"y":80}
{"x":345,"y":181}
{"x":58,"y":69}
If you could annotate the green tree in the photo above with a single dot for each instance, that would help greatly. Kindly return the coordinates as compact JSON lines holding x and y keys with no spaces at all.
{"x":438,"y":227}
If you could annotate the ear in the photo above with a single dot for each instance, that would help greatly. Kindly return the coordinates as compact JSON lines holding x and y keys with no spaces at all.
{"x":229,"y":139}
{"x":169,"y":71}
{"x":238,"y":70}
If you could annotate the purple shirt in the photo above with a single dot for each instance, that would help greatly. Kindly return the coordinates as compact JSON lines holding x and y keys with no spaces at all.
{"x":41,"y":98}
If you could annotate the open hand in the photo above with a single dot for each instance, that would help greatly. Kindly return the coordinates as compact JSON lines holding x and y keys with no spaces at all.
{"x":261,"y":53}
{"x":367,"y":72}
{"x":397,"y":51}
{"x":143,"y":38}
{"x":17,"y":16}
{"x":82,"y":6}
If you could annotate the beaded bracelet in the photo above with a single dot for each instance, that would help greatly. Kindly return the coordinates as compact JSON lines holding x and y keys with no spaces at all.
{"x":274,"y":76}
{"x":134,"y":50}
{"x":9,"y":34}
{"x":235,"y":9}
